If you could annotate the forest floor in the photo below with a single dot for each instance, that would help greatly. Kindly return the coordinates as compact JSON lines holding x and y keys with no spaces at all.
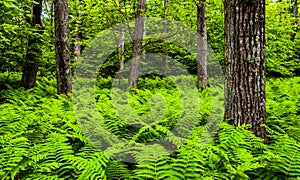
{"x":40,"y":137}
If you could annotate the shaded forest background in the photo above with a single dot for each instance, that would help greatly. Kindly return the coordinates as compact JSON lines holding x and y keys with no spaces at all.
{"x":87,"y":18}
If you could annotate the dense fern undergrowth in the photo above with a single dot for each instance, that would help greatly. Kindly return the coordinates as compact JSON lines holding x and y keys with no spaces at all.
{"x":40,"y":138}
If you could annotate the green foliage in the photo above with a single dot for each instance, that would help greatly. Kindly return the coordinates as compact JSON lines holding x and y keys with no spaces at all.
{"x":282,"y":31}
{"x":13,"y":33}
{"x":117,"y":170}
{"x":283,"y":159}
{"x":215,"y":28}
{"x":149,"y":95}
{"x":40,"y":138}
{"x":282,"y":36}
{"x":283,"y":106}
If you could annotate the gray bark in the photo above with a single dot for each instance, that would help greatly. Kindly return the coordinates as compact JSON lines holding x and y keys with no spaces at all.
{"x":121,"y":45}
{"x":137,"y":45}
{"x":245,"y":64}
{"x":165,"y":45}
{"x":77,"y":37}
{"x":62,"y":47}
{"x":202,"y":45}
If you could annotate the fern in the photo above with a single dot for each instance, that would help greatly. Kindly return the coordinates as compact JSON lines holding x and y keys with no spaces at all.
{"x":158,"y":169}
{"x":283,"y":159}
{"x":40,"y":138}
{"x":188,"y":164}
{"x":117,"y":170}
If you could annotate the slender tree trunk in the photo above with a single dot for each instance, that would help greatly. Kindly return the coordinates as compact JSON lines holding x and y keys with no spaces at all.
{"x":77,"y":37}
{"x":245,"y":68}
{"x":62,"y":47}
{"x":202,"y":44}
{"x":137,"y":45}
{"x":34,"y":51}
{"x":165,"y":45}
{"x":144,"y":35}
{"x":121,"y":47}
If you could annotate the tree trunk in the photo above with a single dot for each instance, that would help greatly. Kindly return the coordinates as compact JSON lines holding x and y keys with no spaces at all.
{"x":144,"y":35}
{"x":245,"y":68}
{"x":202,"y":44}
{"x":165,"y":45}
{"x":77,"y":37}
{"x":121,"y":47}
{"x":137,"y":44}
{"x":34,"y":51}
{"x":62,"y":47}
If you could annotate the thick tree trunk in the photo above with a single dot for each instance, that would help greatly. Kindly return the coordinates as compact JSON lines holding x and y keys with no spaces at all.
{"x":202,"y":44}
{"x":34,"y":51}
{"x":62,"y":47}
{"x":137,"y":45}
{"x":245,"y":69}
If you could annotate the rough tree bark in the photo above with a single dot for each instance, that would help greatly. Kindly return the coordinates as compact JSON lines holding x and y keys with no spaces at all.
{"x":202,"y":44}
{"x":245,"y":68}
{"x":62,"y":47}
{"x":137,"y":44}
{"x":34,"y":51}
